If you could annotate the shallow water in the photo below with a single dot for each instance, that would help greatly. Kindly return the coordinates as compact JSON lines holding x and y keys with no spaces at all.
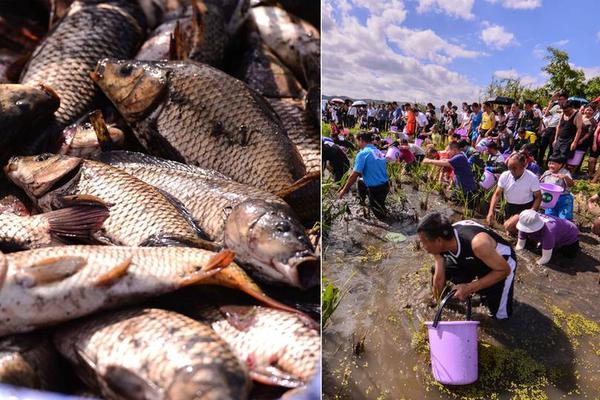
{"x":389,"y":296}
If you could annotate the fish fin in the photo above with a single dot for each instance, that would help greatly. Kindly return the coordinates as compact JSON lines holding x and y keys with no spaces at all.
{"x":82,"y":199}
{"x":236,"y":278}
{"x":126,"y":384}
{"x":76,"y":222}
{"x":178,"y":47}
{"x":99,"y":125}
{"x":165,"y":240}
{"x":50,"y":270}
{"x":184,"y":212}
{"x":114,"y":274}
{"x":270,"y":375}
{"x":215,"y":264}
{"x":299,"y":184}
{"x":240,"y":317}
{"x":199,"y":11}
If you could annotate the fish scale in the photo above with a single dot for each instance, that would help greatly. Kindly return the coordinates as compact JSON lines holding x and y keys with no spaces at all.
{"x":300,"y":130}
{"x":65,"y":58}
{"x":206,"y":118}
{"x":29,"y":302}
{"x":173,"y":355}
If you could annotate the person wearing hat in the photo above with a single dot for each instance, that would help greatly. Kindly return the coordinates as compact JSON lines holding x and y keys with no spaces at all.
{"x":557,"y":174}
{"x":521,"y":190}
{"x":371,"y":165}
{"x":568,"y":131}
{"x":475,"y":258}
{"x":549,"y":231}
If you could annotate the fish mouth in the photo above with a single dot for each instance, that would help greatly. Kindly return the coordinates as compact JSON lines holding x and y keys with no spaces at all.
{"x":51,"y":92}
{"x":66,"y":178}
{"x":303,"y":271}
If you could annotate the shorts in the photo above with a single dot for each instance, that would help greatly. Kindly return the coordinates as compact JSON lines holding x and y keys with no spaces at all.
{"x":516,"y":209}
{"x":571,"y":250}
{"x":563,"y":208}
{"x":498,"y":298}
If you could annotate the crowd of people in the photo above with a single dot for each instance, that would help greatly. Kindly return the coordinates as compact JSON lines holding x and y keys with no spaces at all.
{"x":515,"y":150}
{"x":526,"y":156}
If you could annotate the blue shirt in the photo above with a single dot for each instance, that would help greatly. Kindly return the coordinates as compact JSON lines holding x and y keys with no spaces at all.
{"x":463,"y":175}
{"x":371,"y":164}
{"x":476,"y":121}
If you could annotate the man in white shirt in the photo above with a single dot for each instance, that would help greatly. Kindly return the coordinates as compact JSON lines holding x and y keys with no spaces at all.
{"x":552,"y":114}
{"x":421,"y":121}
{"x":521,"y":190}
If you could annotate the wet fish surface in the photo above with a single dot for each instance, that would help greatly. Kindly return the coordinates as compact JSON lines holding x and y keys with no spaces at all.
{"x":258,"y":226}
{"x":90,"y":31}
{"x":153,"y":354}
{"x":30,"y":360}
{"x":22,"y":108}
{"x":195,"y":114}
{"x":139,"y":213}
{"x":51,"y":285}
{"x":278,"y":347}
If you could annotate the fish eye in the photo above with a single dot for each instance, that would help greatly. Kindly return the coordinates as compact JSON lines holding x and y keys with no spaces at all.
{"x":42,"y":157}
{"x":23,"y":105}
{"x":126,"y":70}
{"x":283,"y":226}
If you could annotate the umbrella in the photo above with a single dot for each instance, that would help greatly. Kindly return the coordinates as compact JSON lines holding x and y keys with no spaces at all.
{"x":579,"y":100}
{"x":337,"y":100}
{"x":502,"y":100}
{"x":359,"y":103}
{"x":596,"y":100}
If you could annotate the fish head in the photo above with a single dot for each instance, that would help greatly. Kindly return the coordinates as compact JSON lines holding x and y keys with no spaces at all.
{"x":134,"y":87}
{"x":37,"y":175}
{"x":80,"y":140}
{"x":270,"y":238}
{"x":23,"y":104}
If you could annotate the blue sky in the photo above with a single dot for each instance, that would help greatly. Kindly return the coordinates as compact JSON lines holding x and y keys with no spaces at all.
{"x":435,"y":50}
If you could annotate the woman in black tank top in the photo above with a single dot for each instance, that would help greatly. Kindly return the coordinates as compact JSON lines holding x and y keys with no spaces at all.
{"x":568,"y":133}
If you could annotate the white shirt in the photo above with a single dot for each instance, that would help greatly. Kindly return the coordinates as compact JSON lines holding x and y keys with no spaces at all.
{"x":421,"y":119}
{"x":416,"y":150}
{"x":519,"y":191}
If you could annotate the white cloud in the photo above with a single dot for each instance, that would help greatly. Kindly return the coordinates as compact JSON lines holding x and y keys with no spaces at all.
{"x":589,"y":72}
{"x":496,"y":37}
{"x":357,"y":60}
{"x":518,"y":4}
{"x":526,"y":80}
{"x":427,"y":45}
{"x":455,"y":8}
{"x":560,"y":43}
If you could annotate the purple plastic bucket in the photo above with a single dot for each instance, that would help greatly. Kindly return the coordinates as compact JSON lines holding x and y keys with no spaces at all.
{"x":577,"y":158}
{"x":487,"y":180}
{"x":453,"y":351}
{"x":418,"y":142}
{"x":550,"y":194}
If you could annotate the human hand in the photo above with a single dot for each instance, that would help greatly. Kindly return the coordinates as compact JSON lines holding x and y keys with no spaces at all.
{"x":573,"y":146}
{"x":490,"y":220}
{"x":341,"y":194}
{"x":463,"y":291}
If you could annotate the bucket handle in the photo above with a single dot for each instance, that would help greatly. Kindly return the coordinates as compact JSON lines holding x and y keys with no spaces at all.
{"x":438,"y":315}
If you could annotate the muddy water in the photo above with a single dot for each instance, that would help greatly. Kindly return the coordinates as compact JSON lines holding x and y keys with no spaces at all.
{"x":550,"y":348}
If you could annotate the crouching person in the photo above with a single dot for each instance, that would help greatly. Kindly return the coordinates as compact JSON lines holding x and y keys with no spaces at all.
{"x":551,"y":232}
{"x":474,"y":258}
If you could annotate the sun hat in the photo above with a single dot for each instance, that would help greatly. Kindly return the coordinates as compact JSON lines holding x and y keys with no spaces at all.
{"x":530,"y":221}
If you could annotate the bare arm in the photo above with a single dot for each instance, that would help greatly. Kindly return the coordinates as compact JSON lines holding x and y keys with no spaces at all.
{"x":579,"y":124}
{"x":439,"y":276}
{"x":351,"y":181}
{"x":437,"y":163}
{"x":537,"y":200}
{"x":493,"y":202}
{"x":556,"y":131}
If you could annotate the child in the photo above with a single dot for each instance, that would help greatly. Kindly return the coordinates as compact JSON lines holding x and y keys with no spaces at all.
{"x":557,"y":174}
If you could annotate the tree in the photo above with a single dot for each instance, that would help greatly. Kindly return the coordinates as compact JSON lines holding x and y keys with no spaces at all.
{"x":592,"y":88}
{"x":506,"y":87}
{"x":562,"y":76}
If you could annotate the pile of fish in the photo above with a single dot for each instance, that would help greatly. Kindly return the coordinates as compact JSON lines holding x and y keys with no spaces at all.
{"x":160,"y":197}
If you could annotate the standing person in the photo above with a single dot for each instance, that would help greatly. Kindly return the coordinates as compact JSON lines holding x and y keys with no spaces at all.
{"x":488,"y":120}
{"x":551,"y":232}
{"x":371,"y":111}
{"x":557,"y":174}
{"x":422,"y":121}
{"x":530,"y":118}
{"x":463,"y":175}
{"x":585,"y":143}
{"x":370,"y":164}
{"x":352,"y":116}
{"x":512,"y":117}
{"x":476,"y":259}
{"x":594,"y":155}
{"x":568,"y":132}
{"x":552,"y":114}
{"x":476,"y":118}
{"x":521,"y":190}
{"x":411,"y":120}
